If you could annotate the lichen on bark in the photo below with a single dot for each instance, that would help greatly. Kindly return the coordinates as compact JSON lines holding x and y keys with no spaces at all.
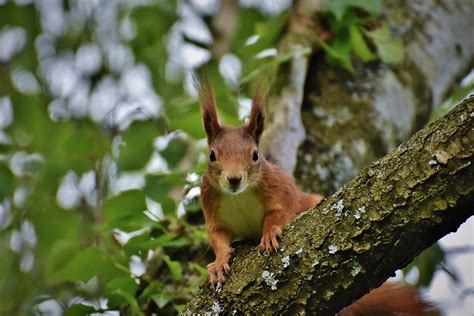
{"x":355,"y":239}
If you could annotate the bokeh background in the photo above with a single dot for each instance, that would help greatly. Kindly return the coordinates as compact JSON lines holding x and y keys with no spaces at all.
{"x":101,"y":152}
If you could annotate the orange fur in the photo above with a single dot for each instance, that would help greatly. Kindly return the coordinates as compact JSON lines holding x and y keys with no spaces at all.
{"x":275,"y":191}
{"x":208,"y":104}
{"x":390,"y":299}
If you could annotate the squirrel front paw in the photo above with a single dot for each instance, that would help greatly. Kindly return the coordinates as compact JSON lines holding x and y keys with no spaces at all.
{"x":269,"y":241}
{"x":216,"y":271}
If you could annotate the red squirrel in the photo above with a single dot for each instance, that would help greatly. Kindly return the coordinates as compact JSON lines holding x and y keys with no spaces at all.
{"x":244,"y":196}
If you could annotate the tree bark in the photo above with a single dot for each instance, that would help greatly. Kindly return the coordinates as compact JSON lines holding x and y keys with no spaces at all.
{"x":352,"y":120}
{"x":285,"y":131}
{"x":354,"y":240}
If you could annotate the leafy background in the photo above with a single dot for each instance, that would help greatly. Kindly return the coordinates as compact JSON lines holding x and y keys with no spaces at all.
{"x":101,"y":145}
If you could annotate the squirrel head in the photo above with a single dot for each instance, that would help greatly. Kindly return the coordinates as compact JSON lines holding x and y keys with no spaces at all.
{"x":234,"y":159}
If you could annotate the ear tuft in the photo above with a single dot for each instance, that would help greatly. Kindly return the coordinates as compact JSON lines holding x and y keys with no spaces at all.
{"x":256,"y":122}
{"x":208,"y":107}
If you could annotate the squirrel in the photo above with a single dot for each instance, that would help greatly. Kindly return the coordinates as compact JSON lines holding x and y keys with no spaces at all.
{"x":244,"y":196}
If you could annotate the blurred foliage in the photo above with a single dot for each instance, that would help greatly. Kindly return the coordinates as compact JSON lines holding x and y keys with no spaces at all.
{"x":356,"y":29}
{"x":99,"y":192}
{"x":458,"y":93}
{"x":100,"y":212}
{"x":425,"y":266}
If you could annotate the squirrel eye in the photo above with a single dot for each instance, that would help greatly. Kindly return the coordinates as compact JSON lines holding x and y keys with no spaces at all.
{"x":212,"y":156}
{"x":255,"y":156}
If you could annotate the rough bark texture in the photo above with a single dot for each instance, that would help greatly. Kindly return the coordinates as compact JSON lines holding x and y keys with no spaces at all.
{"x":351,"y":120}
{"x":375,"y":224}
{"x":285,"y":132}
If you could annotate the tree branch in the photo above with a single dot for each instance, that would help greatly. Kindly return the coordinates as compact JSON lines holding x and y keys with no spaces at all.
{"x":354,"y":240}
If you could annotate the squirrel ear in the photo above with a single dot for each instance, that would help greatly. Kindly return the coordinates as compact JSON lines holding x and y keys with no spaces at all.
{"x":256,"y":122}
{"x":208,"y":107}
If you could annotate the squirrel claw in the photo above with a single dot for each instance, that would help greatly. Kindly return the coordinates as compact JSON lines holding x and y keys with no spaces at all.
{"x":269,"y":241}
{"x":216,"y":272}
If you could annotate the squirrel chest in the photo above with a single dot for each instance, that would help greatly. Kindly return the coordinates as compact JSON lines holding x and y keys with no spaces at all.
{"x":242,"y":214}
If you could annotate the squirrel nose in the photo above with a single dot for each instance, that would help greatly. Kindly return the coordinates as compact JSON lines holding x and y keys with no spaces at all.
{"x":234,"y":181}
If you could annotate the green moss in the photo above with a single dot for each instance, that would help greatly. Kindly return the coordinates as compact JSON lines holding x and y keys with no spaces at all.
{"x":328,"y":294}
{"x":361,"y":247}
{"x":374,"y":215}
{"x":440,"y":205}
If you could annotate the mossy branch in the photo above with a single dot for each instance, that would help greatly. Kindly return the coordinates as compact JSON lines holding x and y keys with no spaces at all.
{"x":354,"y":240}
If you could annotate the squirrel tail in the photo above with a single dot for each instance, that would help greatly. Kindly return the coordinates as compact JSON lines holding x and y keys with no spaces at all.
{"x":390,"y":299}
{"x":308,"y":201}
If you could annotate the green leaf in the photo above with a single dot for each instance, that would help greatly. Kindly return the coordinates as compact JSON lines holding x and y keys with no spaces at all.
{"x":339,"y":52}
{"x":184,"y":114}
{"x":79,"y":310}
{"x":137,"y":145}
{"x":175,"y":268}
{"x":126,"y":284}
{"x":458,"y":94}
{"x":84,"y":142}
{"x":24,"y":16}
{"x":389,"y":47}
{"x":86,"y":264}
{"x":340,"y":7}
{"x":62,"y":251}
{"x":336,"y":7}
{"x":125,"y":211}
{"x":145,"y":242}
{"x":175,"y":152}
{"x":168,"y":205}
{"x":427,"y":263}
{"x":67,"y":227}
{"x":162,"y":298}
{"x":128,"y":298}
{"x":6,"y":182}
{"x":158,"y":186}
{"x":200,"y":269}
{"x":81,"y":145}
{"x":180,"y":242}
{"x":180,"y":307}
{"x":152,"y":288}
{"x":359,"y":45}
{"x":276,"y":61}
{"x":370,"y":6}
{"x":32,"y":124}
{"x":271,"y":29}
{"x":248,"y":18}
{"x":14,"y":287}
{"x":268,"y":30}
